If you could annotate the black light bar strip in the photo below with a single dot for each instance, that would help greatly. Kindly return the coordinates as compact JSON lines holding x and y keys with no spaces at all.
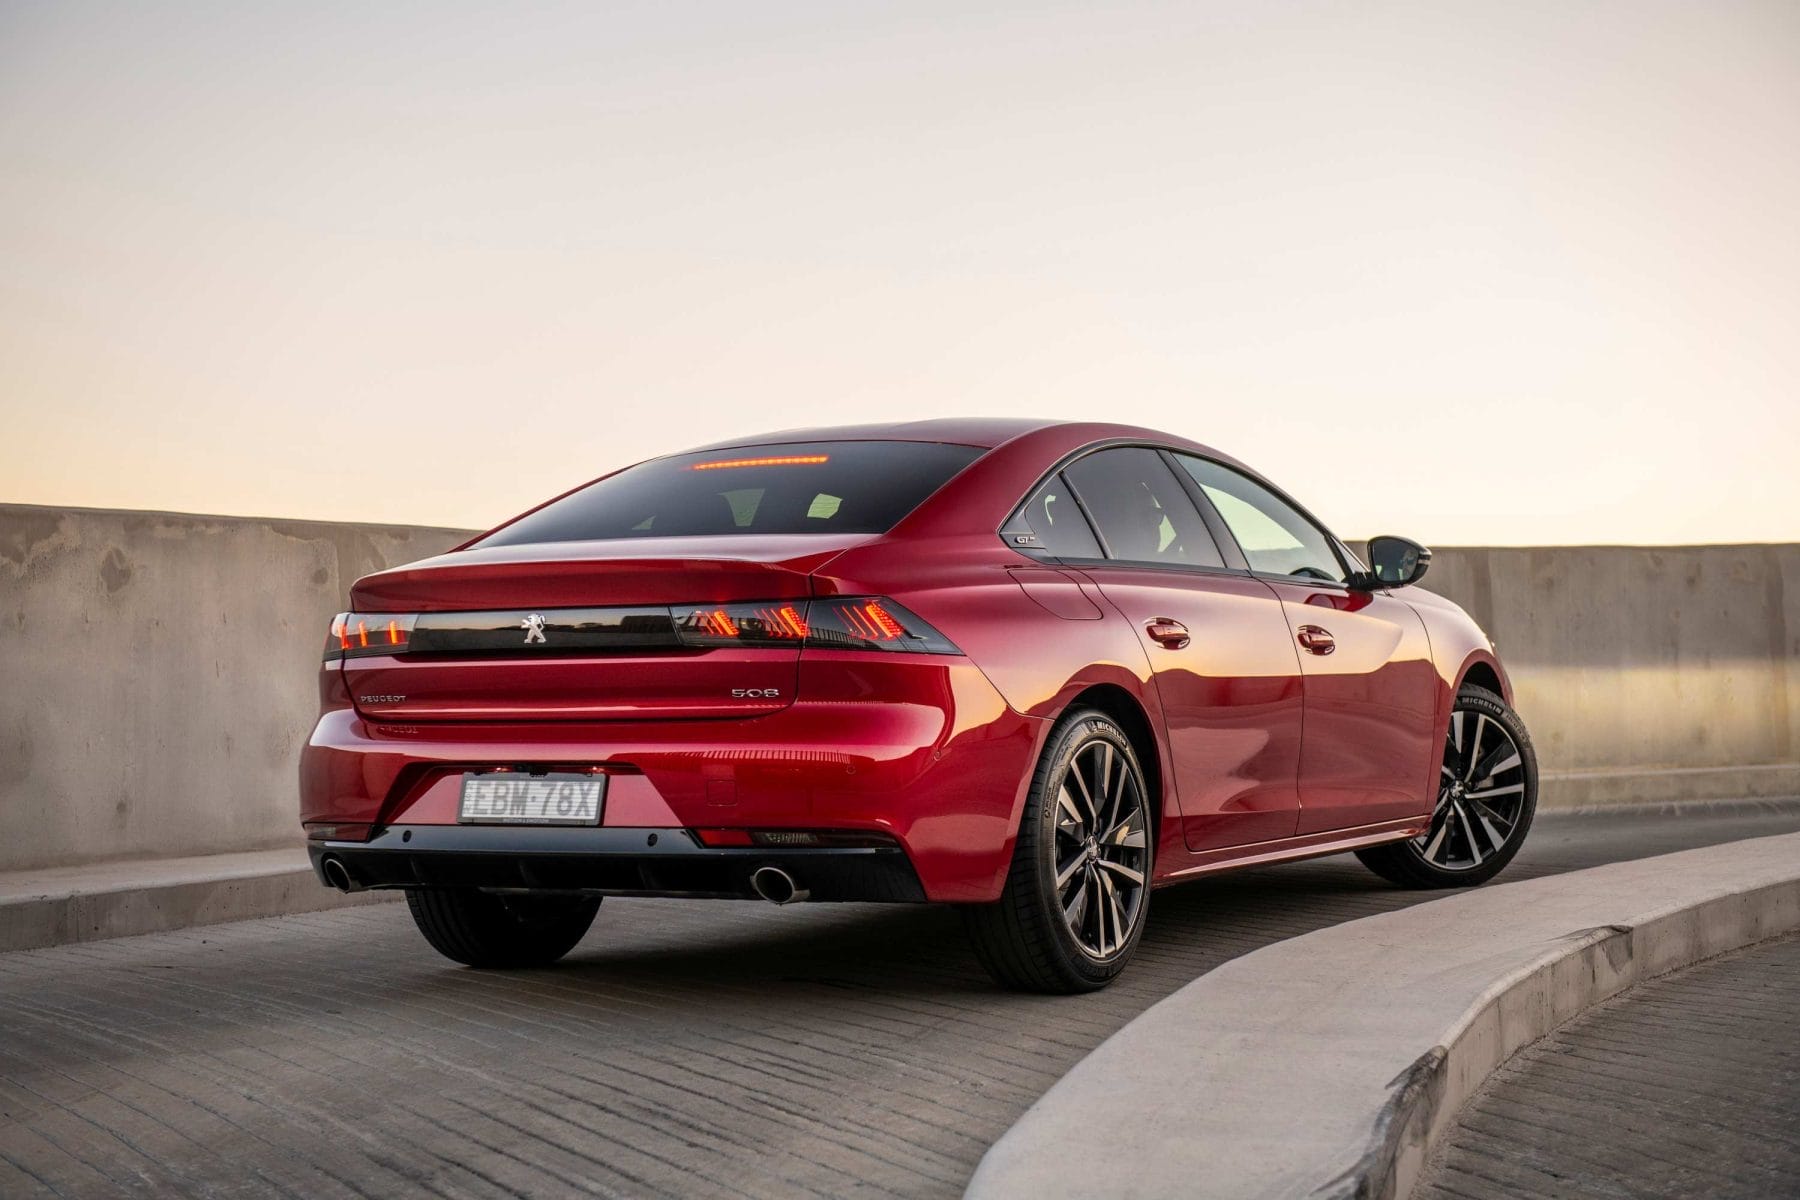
{"x":551,"y":630}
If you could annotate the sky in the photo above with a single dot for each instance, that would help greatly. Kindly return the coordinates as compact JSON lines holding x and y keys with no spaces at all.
{"x":1500,"y":273}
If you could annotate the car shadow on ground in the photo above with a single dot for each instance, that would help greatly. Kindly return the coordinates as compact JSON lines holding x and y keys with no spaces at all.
{"x":920,"y":949}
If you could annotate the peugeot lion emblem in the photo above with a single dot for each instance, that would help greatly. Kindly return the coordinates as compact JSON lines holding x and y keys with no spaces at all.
{"x":533,"y":625}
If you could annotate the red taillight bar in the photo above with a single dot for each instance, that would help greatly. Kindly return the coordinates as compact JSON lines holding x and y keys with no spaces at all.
{"x":834,"y":623}
{"x":716,"y":622}
{"x":868,"y":620}
{"x":354,"y":634}
{"x":786,"y":621}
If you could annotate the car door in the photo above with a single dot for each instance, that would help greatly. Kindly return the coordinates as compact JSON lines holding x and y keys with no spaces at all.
{"x":1370,"y":749}
{"x":1226,"y":669}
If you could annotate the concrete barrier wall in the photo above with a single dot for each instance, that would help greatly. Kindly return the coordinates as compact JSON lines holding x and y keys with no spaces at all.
{"x":157,"y":671}
{"x":1646,"y":673}
{"x":158,"y":675}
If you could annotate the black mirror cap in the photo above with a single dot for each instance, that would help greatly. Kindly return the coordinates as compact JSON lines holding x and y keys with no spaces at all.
{"x":1393,"y":562}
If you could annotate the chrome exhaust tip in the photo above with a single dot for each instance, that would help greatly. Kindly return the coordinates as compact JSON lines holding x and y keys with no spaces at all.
{"x":777,"y":886}
{"x":337,"y":874}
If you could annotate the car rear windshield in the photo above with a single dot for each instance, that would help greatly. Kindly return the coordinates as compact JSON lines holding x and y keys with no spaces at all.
{"x":795,"y":487}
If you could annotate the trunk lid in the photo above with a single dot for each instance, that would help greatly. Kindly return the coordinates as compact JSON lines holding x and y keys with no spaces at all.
{"x":582,"y":631}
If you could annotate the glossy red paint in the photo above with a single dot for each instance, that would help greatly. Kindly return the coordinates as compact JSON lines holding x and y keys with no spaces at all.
{"x":1261,"y":748}
{"x":926,"y":751}
{"x":1371,"y":705}
{"x":1231,"y":699}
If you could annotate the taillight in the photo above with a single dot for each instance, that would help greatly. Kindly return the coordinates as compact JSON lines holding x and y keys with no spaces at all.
{"x":357,"y":634}
{"x":871,"y":623}
{"x":773,"y":624}
{"x":864,"y":621}
{"x":839,"y":622}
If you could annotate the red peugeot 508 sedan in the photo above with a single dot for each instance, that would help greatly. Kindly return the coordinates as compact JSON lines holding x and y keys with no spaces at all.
{"x":1028,"y":668}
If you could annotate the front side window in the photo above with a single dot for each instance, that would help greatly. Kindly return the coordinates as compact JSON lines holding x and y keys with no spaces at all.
{"x":809,"y":487}
{"x":1275,"y":538}
{"x":1141,"y":509}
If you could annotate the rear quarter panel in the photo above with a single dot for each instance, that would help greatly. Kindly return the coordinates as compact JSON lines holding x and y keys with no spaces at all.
{"x":1039,"y":654}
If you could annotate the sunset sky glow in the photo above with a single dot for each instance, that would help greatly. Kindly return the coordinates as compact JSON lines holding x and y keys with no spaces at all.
{"x":1520,"y":273}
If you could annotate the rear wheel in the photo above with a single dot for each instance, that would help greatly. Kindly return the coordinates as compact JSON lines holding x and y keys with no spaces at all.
{"x":1487,"y":796}
{"x":481,"y":929}
{"x":1078,"y":890}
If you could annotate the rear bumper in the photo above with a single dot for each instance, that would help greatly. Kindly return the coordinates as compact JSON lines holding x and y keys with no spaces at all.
{"x":614,"y":862}
{"x":925,"y":752}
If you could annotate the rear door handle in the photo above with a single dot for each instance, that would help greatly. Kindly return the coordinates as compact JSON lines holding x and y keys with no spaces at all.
{"x":1167,"y":632}
{"x":1317,"y":640}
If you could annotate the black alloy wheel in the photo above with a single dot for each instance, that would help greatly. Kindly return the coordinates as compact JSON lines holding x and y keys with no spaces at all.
{"x":1078,"y":892}
{"x":1487,"y":796}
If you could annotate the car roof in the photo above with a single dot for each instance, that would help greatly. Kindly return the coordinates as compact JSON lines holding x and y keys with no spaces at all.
{"x":1021,"y":450}
{"x":985,"y":432}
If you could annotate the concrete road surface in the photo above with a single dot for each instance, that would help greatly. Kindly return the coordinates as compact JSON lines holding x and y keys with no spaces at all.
{"x":684,"y":1049}
{"x":1688,"y":1085}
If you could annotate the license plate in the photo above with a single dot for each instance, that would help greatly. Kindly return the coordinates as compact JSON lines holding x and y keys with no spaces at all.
{"x":510,"y":798}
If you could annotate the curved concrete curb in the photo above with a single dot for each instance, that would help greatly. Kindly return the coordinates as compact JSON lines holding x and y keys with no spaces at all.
{"x":122,"y":899}
{"x":1325,"y":1065}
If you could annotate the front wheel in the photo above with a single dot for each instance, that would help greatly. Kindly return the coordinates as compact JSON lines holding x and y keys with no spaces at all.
{"x":1078,"y":890}
{"x":1487,"y":796}
{"x":480,"y":929}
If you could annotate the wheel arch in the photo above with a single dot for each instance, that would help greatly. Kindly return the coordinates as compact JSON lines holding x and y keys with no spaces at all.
{"x":1130,"y":715}
{"x":1484,"y":670}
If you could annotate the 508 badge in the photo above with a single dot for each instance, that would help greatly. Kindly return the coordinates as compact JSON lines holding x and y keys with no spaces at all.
{"x":756,"y":693}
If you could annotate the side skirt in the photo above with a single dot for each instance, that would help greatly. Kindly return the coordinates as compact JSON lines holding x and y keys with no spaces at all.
{"x":1313,"y":845}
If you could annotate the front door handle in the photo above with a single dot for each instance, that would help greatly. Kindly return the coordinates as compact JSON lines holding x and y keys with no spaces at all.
{"x":1167,"y":632}
{"x":1317,"y":640}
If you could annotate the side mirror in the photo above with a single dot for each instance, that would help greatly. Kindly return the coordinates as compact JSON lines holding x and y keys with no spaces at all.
{"x":1393,"y":562}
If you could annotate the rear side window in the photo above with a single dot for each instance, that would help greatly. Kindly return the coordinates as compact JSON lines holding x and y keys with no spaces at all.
{"x":1061,"y":530}
{"x":1142,"y":511}
{"x":795,"y":487}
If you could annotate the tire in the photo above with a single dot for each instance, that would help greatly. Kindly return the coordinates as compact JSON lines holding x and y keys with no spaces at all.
{"x":1027,"y":940}
{"x":480,"y":929}
{"x":1470,"y":839}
